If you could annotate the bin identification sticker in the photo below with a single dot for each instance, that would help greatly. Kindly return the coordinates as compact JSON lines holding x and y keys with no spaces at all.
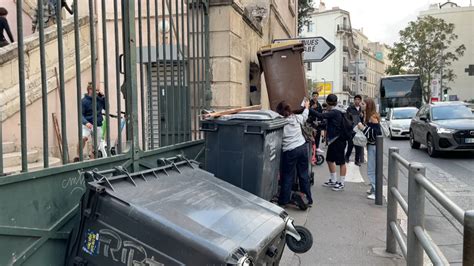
{"x":91,"y":243}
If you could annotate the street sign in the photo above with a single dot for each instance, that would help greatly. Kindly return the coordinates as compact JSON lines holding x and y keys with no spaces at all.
{"x":316,"y":49}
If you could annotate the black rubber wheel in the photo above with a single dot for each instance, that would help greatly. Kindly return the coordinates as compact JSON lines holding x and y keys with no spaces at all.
{"x":304,"y":244}
{"x":431,"y":149}
{"x":413,"y":143}
{"x":319,"y":159}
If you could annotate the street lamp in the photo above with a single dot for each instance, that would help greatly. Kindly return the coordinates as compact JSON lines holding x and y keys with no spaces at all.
{"x":324,"y":88}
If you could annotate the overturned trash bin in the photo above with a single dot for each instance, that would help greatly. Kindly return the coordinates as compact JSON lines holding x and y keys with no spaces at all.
{"x":285,"y":77}
{"x":173,"y":215}
{"x":244,"y":149}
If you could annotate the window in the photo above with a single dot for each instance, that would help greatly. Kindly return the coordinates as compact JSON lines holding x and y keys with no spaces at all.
{"x":309,"y":66}
{"x":310,"y":26}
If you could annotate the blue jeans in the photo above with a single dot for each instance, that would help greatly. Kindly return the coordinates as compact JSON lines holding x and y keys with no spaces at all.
{"x":371,"y":162}
{"x":293,"y":160}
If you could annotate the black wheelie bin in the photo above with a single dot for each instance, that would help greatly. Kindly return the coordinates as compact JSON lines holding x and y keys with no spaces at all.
{"x":244,"y":149}
{"x":175,"y":214}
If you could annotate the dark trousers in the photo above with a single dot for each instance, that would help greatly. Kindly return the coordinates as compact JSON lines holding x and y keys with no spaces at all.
{"x":359,"y":152}
{"x":292,"y":161}
{"x":317,"y":138}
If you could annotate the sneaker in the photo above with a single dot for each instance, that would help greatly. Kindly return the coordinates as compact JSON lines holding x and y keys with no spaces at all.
{"x":371,"y":196}
{"x":329,"y":183}
{"x":338,"y":187}
{"x":319,"y":150}
{"x":370,"y":191}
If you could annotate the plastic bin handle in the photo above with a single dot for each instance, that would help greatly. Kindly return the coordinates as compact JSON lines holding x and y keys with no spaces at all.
{"x":253,"y":132}
{"x":209,"y":127}
{"x":266,"y":52}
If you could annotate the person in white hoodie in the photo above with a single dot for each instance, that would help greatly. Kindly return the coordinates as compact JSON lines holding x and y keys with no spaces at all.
{"x":295,"y":154}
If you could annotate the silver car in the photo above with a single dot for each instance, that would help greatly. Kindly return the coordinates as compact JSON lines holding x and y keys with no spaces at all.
{"x":398,"y":121}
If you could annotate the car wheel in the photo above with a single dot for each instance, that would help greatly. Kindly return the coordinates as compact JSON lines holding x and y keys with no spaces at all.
{"x":432,"y":152}
{"x":413,"y":143}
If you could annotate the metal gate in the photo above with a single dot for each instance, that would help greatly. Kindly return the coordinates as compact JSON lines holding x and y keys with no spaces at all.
{"x":151,"y":60}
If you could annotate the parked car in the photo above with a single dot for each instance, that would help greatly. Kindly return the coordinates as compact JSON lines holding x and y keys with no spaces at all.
{"x":444,"y":126}
{"x":398,"y":121}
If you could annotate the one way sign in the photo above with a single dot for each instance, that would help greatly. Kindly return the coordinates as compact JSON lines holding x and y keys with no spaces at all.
{"x":316,"y":49}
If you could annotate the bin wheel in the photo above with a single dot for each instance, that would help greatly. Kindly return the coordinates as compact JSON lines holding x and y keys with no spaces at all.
{"x":319,"y":159}
{"x":304,"y":244}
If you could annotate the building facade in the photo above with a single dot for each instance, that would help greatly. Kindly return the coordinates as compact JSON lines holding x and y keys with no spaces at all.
{"x":463,"y":19}
{"x":357,"y":64}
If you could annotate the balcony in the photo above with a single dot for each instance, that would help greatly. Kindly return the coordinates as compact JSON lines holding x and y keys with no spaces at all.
{"x":345,"y":48}
{"x":345,"y":69}
{"x":346,"y":88}
{"x":341,"y":28}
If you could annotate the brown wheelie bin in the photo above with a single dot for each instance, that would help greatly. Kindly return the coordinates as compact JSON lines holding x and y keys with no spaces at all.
{"x":282,"y":64}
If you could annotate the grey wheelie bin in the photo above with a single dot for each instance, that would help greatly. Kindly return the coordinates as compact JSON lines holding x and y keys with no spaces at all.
{"x":285,"y":77}
{"x":245,"y":149}
{"x":175,"y":214}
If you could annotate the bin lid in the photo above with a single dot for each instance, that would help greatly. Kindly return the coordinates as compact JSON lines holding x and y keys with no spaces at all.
{"x":252,"y":115}
{"x":269,"y":49}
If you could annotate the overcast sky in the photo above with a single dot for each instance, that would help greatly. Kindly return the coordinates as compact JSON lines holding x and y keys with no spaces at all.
{"x":383,"y":19}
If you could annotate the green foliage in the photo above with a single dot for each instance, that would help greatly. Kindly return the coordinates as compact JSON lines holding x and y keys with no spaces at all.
{"x":425,"y":48}
{"x":305,"y":7}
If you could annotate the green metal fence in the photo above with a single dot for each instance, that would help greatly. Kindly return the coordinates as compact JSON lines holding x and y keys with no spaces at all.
{"x":157,"y":89}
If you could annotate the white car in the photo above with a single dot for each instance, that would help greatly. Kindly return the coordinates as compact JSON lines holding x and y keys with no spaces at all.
{"x":398,"y":121}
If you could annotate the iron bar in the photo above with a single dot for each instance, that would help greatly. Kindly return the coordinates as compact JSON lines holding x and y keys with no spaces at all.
{"x":428,"y":246}
{"x":94,"y":78}
{"x":399,"y":237}
{"x":447,"y":203}
{"x":202,"y":74}
{"x":1,"y":145}
{"x":117,"y":79}
{"x":21,"y":76}
{"x":379,"y":171}
{"x":468,"y":243}
{"x":392,"y":206}
{"x":77,"y":51}
{"x":416,"y":214}
{"x":189,"y":110}
{"x":165,"y":84}
{"x":207,"y":64}
{"x":140,"y":54}
{"x":195,"y":91}
{"x":149,"y":66}
{"x":183,"y":94}
{"x":44,"y":85}
{"x":179,"y":76}
{"x":401,"y":160}
{"x":158,"y":86}
{"x":399,"y":198}
{"x":62,"y":86}
{"x":172,"y":81}
{"x":106,"y":77}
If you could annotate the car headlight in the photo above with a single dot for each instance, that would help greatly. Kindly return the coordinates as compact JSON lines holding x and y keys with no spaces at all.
{"x":442,"y":130}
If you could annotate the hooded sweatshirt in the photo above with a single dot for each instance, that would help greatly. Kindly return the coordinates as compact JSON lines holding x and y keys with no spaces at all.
{"x":87,"y":111}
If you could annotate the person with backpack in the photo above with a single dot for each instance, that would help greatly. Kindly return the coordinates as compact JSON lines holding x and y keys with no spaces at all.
{"x":295,"y":154}
{"x":371,"y":128}
{"x":337,"y":135}
{"x":357,"y":116}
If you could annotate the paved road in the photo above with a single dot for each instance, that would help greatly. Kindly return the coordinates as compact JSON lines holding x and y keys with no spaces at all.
{"x":452,"y":173}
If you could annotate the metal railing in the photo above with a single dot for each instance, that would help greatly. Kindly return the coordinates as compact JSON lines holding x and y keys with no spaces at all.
{"x":418,"y":240}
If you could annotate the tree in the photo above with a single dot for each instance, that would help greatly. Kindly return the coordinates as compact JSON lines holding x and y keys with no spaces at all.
{"x":305,"y":8}
{"x":425,"y":49}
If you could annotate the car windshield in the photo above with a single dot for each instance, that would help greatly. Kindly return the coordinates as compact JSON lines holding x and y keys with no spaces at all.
{"x":404,"y":113}
{"x":451,"y":112}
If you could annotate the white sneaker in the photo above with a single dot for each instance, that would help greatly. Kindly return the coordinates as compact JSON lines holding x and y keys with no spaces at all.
{"x":319,"y":150}
{"x":371,"y":196}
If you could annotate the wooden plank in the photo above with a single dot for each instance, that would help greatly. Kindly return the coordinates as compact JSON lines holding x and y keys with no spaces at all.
{"x":58,"y":132}
{"x":232,"y":111}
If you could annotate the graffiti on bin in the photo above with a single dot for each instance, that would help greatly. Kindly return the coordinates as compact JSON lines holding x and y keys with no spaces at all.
{"x":76,"y":183}
{"x":126,"y":252}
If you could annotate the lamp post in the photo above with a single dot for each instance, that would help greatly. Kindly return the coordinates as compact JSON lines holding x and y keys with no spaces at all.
{"x":324,"y":88}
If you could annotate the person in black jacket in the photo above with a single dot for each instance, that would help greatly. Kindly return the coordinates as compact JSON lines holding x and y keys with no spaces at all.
{"x":336,"y":143}
{"x":88,"y":114}
{"x":357,"y":116}
{"x":371,"y":130}
{"x":4,"y":27}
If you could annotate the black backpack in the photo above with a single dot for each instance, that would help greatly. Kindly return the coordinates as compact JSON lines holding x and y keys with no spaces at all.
{"x":347,"y":126}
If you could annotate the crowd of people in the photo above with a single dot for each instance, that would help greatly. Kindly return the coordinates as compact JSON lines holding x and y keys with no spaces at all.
{"x":335,"y":127}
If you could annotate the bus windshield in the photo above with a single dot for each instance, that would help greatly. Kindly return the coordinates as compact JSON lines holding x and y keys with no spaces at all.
{"x":400,"y":91}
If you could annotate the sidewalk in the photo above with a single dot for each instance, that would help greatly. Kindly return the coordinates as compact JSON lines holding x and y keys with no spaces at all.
{"x":347,"y":228}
